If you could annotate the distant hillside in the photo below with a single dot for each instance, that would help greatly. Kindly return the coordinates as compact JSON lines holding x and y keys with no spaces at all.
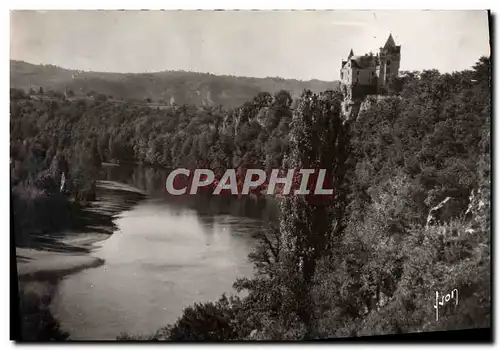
{"x":178,"y":87}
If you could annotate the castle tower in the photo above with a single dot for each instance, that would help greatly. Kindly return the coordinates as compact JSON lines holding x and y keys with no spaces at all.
{"x":389,"y":60}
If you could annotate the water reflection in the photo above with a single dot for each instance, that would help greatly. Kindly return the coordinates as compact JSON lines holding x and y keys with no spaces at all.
{"x":167,"y":253}
{"x":152,"y":181}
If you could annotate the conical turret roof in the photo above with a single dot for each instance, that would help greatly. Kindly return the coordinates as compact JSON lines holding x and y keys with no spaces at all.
{"x":390,"y":42}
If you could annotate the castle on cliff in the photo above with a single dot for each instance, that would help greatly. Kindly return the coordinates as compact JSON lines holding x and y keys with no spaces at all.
{"x":370,"y":74}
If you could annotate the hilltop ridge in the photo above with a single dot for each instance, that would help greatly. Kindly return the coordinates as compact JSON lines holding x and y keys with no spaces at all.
{"x":169,"y":87}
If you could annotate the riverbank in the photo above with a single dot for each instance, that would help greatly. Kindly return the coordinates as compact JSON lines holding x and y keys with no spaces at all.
{"x":52,"y":256}
{"x":48,"y":258}
{"x":42,"y":265}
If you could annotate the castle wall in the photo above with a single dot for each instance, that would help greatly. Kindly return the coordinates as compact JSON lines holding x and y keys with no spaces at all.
{"x":394,"y":67}
{"x":364,"y":76}
{"x":360,"y":91}
{"x":381,"y":74}
{"x":347,"y":74}
{"x":389,"y":65}
{"x":353,"y":75}
{"x":377,"y":74}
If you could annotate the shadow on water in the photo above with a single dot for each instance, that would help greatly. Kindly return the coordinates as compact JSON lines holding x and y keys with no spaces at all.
{"x":94,"y":220}
{"x":37,"y":323}
{"x":205,"y":217}
{"x":46,"y":225}
{"x":152,"y":181}
{"x":21,"y":258}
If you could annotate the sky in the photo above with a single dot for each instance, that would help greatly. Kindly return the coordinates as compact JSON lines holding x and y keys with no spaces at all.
{"x":290,"y":44}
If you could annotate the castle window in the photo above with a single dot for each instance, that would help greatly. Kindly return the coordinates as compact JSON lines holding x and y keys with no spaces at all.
{"x":388,"y":62}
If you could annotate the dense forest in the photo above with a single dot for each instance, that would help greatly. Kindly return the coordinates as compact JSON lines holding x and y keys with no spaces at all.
{"x":365,"y":261}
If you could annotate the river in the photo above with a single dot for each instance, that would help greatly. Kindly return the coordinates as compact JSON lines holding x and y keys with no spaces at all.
{"x":167,"y":253}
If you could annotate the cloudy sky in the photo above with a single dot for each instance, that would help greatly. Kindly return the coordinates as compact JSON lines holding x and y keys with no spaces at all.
{"x":290,"y":44}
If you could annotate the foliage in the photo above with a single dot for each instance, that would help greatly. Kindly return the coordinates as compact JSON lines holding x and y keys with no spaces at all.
{"x":362,"y":261}
{"x":411,"y":152}
{"x":406,"y":152}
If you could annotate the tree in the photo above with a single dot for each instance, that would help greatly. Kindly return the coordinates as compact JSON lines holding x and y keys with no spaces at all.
{"x":283,"y":98}
{"x":317,"y":141}
{"x":205,"y":322}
